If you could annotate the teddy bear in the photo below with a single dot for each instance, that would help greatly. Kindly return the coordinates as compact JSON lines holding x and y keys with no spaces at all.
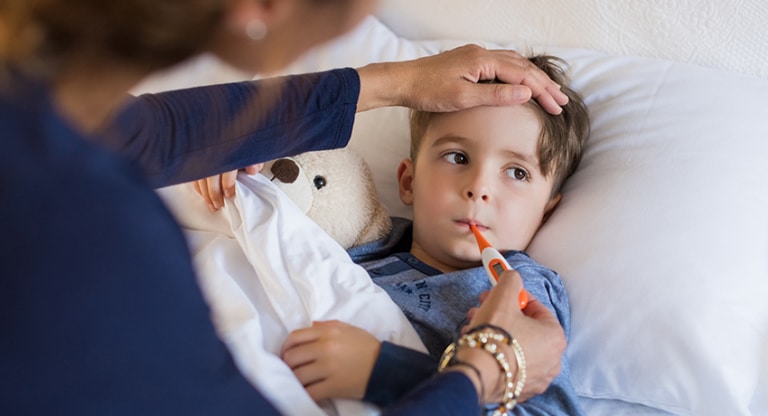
{"x":335,"y":188}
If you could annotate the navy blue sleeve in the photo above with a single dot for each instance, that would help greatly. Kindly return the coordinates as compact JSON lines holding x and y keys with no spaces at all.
{"x":449,"y":393}
{"x":183,"y":135}
{"x":100,"y":310}
{"x":397,"y":370}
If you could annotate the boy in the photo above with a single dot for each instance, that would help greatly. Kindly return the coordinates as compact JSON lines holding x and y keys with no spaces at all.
{"x":500,"y":169}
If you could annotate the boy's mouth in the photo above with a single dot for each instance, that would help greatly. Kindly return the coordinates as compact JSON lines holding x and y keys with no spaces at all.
{"x":467,"y":222}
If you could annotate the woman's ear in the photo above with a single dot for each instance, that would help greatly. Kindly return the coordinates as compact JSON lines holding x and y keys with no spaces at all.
{"x":551,"y":205}
{"x":405,"y":181}
{"x":243,"y":13}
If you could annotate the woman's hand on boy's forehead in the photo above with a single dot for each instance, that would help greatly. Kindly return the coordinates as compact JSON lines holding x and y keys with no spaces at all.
{"x":517,"y":72}
{"x":515,"y":79}
{"x":450,"y":81}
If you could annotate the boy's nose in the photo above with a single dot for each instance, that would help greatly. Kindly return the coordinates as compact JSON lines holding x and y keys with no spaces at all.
{"x":477,"y":195}
{"x":477,"y":190}
{"x":476,"y":186}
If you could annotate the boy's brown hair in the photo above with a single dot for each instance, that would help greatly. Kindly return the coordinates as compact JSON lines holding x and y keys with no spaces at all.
{"x":563,"y":136}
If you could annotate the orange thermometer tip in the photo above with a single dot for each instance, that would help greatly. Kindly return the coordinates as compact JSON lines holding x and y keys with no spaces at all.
{"x":490,"y":263}
{"x":482,"y":243}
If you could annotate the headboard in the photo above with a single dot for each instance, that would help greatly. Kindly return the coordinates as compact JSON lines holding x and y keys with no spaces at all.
{"x":724,"y":35}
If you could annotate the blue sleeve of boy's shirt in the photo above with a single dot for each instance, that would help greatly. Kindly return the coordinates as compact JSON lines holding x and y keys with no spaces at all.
{"x":547,"y":287}
{"x":183,"y":135}
{"x":559,"y":400}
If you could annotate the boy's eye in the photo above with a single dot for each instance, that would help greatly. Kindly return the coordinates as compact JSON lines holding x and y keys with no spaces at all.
{"x":517,"y":173}
{"x":456,"y":158}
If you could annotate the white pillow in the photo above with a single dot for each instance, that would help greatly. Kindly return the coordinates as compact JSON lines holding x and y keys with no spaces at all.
{"x":662,"y":236}
{"x":662,"y":233}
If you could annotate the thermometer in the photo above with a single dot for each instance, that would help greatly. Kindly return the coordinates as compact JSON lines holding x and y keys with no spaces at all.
{"x":494,"y":263}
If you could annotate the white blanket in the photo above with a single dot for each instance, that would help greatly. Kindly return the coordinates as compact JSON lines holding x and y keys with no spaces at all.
{"x":266,"y":269}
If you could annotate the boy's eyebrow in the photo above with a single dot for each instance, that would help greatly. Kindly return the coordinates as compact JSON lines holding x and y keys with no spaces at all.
{"x":526,"y":157}
{"x":449,"y":138}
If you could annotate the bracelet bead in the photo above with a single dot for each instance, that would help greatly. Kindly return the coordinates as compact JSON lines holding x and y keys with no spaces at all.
{"x":489,"y":341}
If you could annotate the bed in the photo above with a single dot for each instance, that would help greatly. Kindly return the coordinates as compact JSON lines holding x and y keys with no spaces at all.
{"x":662,"y":233}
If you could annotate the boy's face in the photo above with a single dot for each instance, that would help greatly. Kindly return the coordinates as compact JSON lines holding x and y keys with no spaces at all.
{"x":476,"y":166}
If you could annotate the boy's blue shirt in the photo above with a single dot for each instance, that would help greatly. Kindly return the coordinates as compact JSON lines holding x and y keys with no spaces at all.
{"x":436,"y":304}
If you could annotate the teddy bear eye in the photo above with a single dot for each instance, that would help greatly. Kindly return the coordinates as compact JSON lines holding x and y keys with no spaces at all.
{"x":319,"y":182}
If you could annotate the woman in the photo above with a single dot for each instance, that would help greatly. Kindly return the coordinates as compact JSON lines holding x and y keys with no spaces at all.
{"x":100,"y":309}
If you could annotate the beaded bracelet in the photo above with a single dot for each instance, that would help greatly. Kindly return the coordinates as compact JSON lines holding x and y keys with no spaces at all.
{"x":498,"y":329}
{"x":513,"y":383}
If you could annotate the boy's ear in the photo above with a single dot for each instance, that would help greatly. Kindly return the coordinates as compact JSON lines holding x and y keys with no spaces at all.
{"x":551,"y":205}
{"x":405,"y":181}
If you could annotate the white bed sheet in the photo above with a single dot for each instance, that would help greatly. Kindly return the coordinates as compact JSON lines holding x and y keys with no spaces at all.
{"x":266,"y":269}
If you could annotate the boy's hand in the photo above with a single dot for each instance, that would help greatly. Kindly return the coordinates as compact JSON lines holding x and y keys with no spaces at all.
{"x":332,"y":359}
{"x":215,"y":188}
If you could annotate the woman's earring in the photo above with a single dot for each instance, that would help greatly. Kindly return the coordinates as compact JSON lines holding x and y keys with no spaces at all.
{"x":256,"y":30}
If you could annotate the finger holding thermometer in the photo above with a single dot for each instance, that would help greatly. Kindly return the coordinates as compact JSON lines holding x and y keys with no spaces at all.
{"x":495,"y":264}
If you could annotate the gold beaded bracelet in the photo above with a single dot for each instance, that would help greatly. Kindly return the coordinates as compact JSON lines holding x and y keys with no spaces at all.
{"x":513,"y":383}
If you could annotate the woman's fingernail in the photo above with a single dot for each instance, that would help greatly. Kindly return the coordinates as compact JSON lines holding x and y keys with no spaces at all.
{"x":521,"y":94}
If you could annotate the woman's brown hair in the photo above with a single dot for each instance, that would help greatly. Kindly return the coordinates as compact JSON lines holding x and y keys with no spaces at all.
{"x":148,"y":34}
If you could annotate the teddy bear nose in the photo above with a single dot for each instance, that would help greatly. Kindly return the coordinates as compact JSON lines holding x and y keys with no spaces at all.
{"x":285,"y":170}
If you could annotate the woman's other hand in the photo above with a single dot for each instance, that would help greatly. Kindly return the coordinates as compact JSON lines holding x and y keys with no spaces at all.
{"x":215,"y":188}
